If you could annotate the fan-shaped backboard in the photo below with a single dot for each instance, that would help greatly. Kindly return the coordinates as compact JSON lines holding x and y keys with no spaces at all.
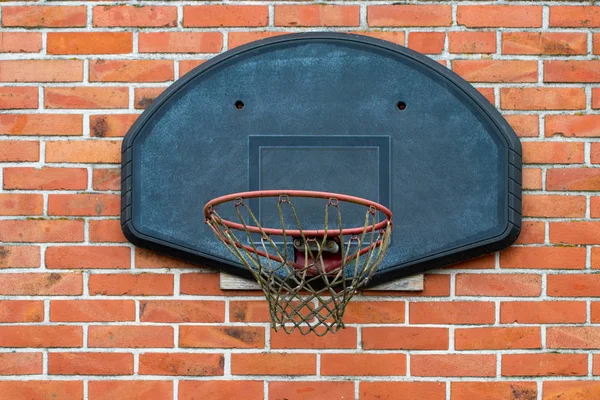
{"x":330,"y":112}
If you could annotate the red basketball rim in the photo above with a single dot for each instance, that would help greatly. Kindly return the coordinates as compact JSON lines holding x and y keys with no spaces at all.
{"x":209,"y":207}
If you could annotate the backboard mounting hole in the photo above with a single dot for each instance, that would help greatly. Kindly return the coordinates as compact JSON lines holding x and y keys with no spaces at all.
{"x":401,"y":105}
{"x":239,"y":105}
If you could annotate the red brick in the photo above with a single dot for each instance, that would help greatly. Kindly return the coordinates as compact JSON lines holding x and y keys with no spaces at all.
{"x":90,"y":363}
{"x":553,"y":206}
{"x":544,"y":364}
{"x":181,"y":364}
{"x":532,"y":179}
{"x":409,"y":15}
{"x":20,"y":42}
{"x":532,"y":232}
{"x":46,"y":178}
{"x":186,"y":66}
{"x":524,"y":125}
{"x":21,"y":311}
{"x":41,"y":71}
{"x":130,"y":390}
{"x":106,"y":231}
{"x":27,"y":231}
{"x":456,"y":312}
{"x":472,"y":42}
{"x":131,"y":70}
{"x":245,"y":337}
{"x":577,"y":232}
{"x":542,"y":98}
{"x":363,"y":364}
{"x":236,"y":39}
{"x":391,"y":36}
{"x":404,"y":338}
{"x":225,"y":15}
{"x":273,"y":364}
{"x":90,"y":42}
{"x":574,"y":285}
{"x":434,"y":285}
{"x":595,"y":208}
{"x":487,"y":261}
{"x":220,"y":390}
{"x":86,"y":97}
{"x":287,"y":390}
{"x":496,"y":70}
{"x":488,"y":93}
{"x":130,"y":336}
{"x":573,"y":125}
{"x":131,"y":284}
{"x":115,"y":125}
{"x":19,"y":97}
{"x":182,"y":311}
{"x":499,"y":16}
{"x":41,"y":336}
{"x":84,"y":151}
{"x":453,"y":365}
{"x":19,"y":151}
{"x":374,"y":312}
{"x":44,"y":16}
{"x":35,"y":284}
{"x":596,"y":98}
{"x":67,"y":257}
{"x":573,"y":179}
{"x":95,"y":204}
{"x":571,"y":390}
{"x":41,"y":124}
{"x":572,"y":71}
{"x":180,"y":42}
{"x":317,"y":15}
{"x":542,"y":312}
{"x":544,"y":43}
{"x":596,"y":365}
{"x":575,"y":337}
{"x":143,"y":97}
{"x":497,"y":338}
{"x":42,"y":390}
{"x":21,"y":364}
{"x":19,"y":256}
{"x":249,"y":311}
{"x":21,"y":204}
{"x":92,"y":310}
{"x":494,"y":390}
{"x":575,"y":16}
{"x":596,"y":43}
{"x":498,"y":285}
{"x":406,"y":390}
{"x":149,"y":259}
{"x":106,"y":178}
{"x":427,"y":42}
{"x":543,"y":257}
{"x":595,"y":153}
{"x":134,"y":16}
{"x":343,"y":339}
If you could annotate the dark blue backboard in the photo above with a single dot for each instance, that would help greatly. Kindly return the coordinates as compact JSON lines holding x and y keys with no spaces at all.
{"x":328,"y":112}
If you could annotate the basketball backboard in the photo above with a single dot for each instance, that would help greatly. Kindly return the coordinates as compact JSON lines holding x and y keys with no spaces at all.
{"x":328,"y":112}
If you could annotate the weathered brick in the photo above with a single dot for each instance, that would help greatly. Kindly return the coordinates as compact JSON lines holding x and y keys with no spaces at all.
{"x":34,"y":284}
{"x":41,"y":336}
{"x":496,"y":70}
{"x":18,"y":97}
{"x":41,"y":70}
{"x":130,"y":390}
{"x":143,"y":97}
{"x":407,"y":390}
{"x":182,"y":311}
{"x":295,"y":390}
{"x":544,"y":364}
{"x":404,"y":338}
{"x":86,"y":97}
{"x":19,"y":151}
{"x":571,"y":390}
{"x":524,"y":125}
{"x":106,"y":178}
{"x":317,"y":15}
{"x":225,"y":15}
{"x":454,"y":365}
{"x":134,"y":16}
{"x":574,"y":285}
{"x":84,"y":257}
{"x":92,"y":310}
{"x":130,"y":336}
{"x":273,"y":364}
{"x":180,"y":42}
{"x":21,"y":364}
{"x":575,"y":16}
{"x":572,"y":71}
{"x":220,"y":390}
{"x":20,"y":42}
{"x":59,"y":390}
{"x":46,"y":178}
{"x":21,"y":204}
{"x":507,"y":16}
{"x":572,"y":125}
{"x":44,"y":16}
{"x":497,"y":338}
{"x":542,"y":98}
{"x":363,"y":364}
{"x":244,"y":337}
{"x":472,"y":42}
{"x":409,"y":15}
{"x":111,"y":125}
{"x":41,"y":124}
{"x":522,"y":285}
{"x":181,"y":364}
{"x":92,"y":204}
{"x":343,"y":339}
{"x":493,"y":390}
{"x":544,"y":43}
{"x":456,"y":312}
{"x":131,"y":284}
{"x":61,"y":363}
{"x":27,"y":231}
{"x":131,"y":70}
{"x":532,"y":232}
{"x":21,"y":311}
{"x":427,"y":42}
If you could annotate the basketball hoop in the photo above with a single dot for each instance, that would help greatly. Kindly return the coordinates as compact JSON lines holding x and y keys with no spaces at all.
{"x":307,"y":275}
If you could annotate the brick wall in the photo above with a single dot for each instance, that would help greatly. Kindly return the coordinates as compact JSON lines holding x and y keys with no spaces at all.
{"x":83,"y":314}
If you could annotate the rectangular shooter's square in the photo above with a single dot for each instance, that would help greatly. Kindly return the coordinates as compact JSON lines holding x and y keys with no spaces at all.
{"x":355,"y":165}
